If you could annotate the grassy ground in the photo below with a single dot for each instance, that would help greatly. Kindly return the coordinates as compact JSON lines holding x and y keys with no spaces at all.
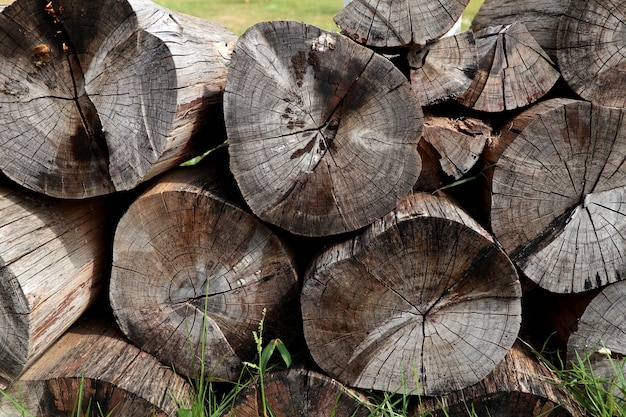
{"x":238,"y":15}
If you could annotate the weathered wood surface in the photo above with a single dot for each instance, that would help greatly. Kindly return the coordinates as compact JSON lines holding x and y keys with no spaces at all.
{"x":540,"y":17}
{"x":187,"y":254}
{"x":449,"y":148}
{"x":513,"y":70}
{"x":398,"y":23}
{"x":54,"y":258}
{"x":591,"y":50}
{"x":322,"y":131}
{"x":601,"y":336}
{"x":99,"y":96}
{"x":443,"y":69}
{"x":519,"y":386}
{"x":558,"y":194}
{"x":300,"y":392}
{"x":116,"y":376}
{"x":424,"y":292}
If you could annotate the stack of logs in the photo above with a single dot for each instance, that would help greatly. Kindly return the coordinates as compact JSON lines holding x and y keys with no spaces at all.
{"x":412,"y":211}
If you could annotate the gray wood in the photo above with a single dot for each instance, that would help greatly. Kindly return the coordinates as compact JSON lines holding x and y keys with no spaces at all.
{"x":322,"y":131}
{"x":99,"y":96}
{"x":423,"y":293}
{"x":558,"y":194}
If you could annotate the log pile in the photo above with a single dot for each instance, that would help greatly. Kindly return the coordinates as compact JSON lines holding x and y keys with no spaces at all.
{"x":402,"y":208}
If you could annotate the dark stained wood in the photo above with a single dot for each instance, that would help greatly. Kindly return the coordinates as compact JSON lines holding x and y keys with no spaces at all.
{"x":513,"y":70}
{"x":519,"y":386}
{"x":398,"y":23}
{"x":557,"y":194}
{"x":99,"y":96}
{"x":300,"y":392}
{"x":186,"y":253}
{"x":444,"y":69}
{"x":322,"y":131}
{"x":540,"y":17}
{"x":116,"y":376}
{"x":422,"y":293}
{"x":54,"y":259}
{"x":591,"y":50}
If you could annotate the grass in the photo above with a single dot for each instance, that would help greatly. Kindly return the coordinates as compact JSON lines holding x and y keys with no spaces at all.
{"x":238,"y":15}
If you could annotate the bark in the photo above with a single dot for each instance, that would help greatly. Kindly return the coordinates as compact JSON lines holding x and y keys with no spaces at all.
{"x":540,"y":17}
{"x":300,"y":392}
{"x":54,"y":258}
{"x":422,"y":293}
{"x":322,"y":132}
{"x":99,"y":96}
{"x":393,"y":24}
{"x":444,"y":69}
{"x":558,"y":194}
{"x":115,"y":376}
{"x":591,"y":45}
{"x":513,"y":70}
{"x":189,"y":264}
{"x":519,"y":386}
{"x":601,"y":337}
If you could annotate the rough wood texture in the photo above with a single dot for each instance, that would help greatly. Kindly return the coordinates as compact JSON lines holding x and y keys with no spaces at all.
{"x":558,"y":194}
{"x":100,"y":96}
{"x":513,"y":70}
{"x":398,"y":23}
{"x":540,"y":17}
{"x":117,"y":377}
{"x":601,"y":335}
{"x":424,"y":292}
{"x":444,"y":69}
{"x":592,"y":50}
{"x":186,"y":238}
{"x":449,"y":148}
{"x":300,"y":392}
{"x":519,"y":386}
{"x":322,"y":131}
{"x":54,"y":257}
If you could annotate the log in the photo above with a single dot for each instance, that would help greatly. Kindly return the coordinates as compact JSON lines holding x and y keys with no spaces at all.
{"x":54,"y":258}
{"x":396,"y":24}
{"x":449,"y":148}
{"x":557,"y":194}
{"x":300,"y":392}
{"x":591,"y":43}
{"x":540,"y":17}
{"x":443,"y":69}
{"x":423,"y":293}
{"x":186,"y":254}
{"x":600,"y":337}
{"x":519,"y":386}
{"x":322,"y":132}
{"x":513,"y":70}
{"x":97,"y":97}
{"x":115,"y":376}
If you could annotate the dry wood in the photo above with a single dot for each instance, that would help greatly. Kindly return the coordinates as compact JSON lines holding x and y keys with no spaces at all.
{"x":398,"y":23}
{"x":54,"y":256}
{"x":424,"y":292}
{"x":519,"y":386}
{"x":444,"y":69}
{"x":300,"y":392}
{"x":601,"y":336}
{"x":513,"y":70}
{"x":540,"y":17}
{"x":558,"y":194}
{"x":185,"y":254}
{"x":592,"y":50}
{"x":100,"y":96}
{"x":322,"y":131}
{"x":117,"y":377}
